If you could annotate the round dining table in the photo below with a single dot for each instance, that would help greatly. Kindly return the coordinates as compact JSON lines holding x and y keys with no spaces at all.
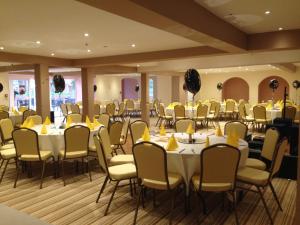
{"x":54,"y":139}
{"x":185,"y":160}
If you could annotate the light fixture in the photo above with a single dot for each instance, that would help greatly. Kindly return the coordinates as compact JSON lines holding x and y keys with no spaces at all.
{"x":38,"y":42}
{"x":86,"y":34}
{"x":52,"y":54}
{"x":1,"y":48}
{"x":89,"y":50}
{"x":137,"y":65}
{"x":133,"y":45}
{"x":267,"y":12}
{"x":280,"y":28}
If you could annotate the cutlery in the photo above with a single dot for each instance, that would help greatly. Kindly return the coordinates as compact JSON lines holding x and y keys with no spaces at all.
{"x":181,"y":150}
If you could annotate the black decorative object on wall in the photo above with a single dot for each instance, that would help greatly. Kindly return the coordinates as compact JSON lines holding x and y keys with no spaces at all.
{"x":184,"y":87}
{"x":1,"y":87}
{"x":219,"y":86}
{"x":59,"y":83}
{"x":95,"y":87}
{"x":137,"y":87}
{"x":192,"y":81}
{"x":296,"y":84}
{"x":274,"y":84}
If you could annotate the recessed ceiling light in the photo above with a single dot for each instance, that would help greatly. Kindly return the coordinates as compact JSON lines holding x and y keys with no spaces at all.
{"x":267,"y":12}
{"x":280,"y":28}
{"x":133,"y":45}
{"x":137,"y":65}
{"x":38,"y":42}
{"x":52,"y":54}
{"x":1,"y":48}
{"x":86,"y":34}
{"x":89,"y":50}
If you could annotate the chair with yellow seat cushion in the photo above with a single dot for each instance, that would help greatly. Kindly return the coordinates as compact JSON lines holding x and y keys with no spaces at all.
{"x":28,"y":112}
{"x":237,"y":127}
{"x":261,"y":178}
{"x":110,"y":109}
{"x":218,"y":166}
{"x":6,"y":129}
{"x":179,"y":112}
{"x":229,"y":108}
{"x":117,"y":173}
{"x":214,"y":117}
{"x":202,"y":111}
{"x":37,"y":120}
{"x":75,"y":117}
{"x":64,"y":110}
{"x":260,"y":116}
{"x":120,"y":113}
{"x":162,"y":117}
{"x":97,"y":111}
{"x":243,"y":115}
{"x":182,"y":125}
{"x":129,"y":105}
{"x":137,"y":129}
{"x":75,"y":109}
{"x":4,"y":114}
{"x":76,"y":146}
{"x":104,"y":119}
{"x":115,"y":132}
{"x":6,"y":154}
{"x":27,"y":150}
{"x":124,"y":132}
{"x":146,"y":155}
{"x":268,"y":149}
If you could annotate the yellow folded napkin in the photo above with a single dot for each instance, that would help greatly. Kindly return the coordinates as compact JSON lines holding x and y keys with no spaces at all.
{"x":146,"y":135}
{"x":190,"y":129}
{"x":47,"y":121}
{"x":162,"y":131}
{"x":69,"y":122}
{"x":30,"y":123}
{"x":25,"y":123}
{"x":96,"y":123}
{"x":87,"y":120}
{"x":269,"y":106}
{"x":44,"y":129}
{"x":172,"y":144}
{"x":207,"y":143}
{"x":218,"y":131}
{"x":91,"y":126}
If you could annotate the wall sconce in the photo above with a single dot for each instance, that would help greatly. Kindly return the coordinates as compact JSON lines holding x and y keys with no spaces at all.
{"x":6,"y":95}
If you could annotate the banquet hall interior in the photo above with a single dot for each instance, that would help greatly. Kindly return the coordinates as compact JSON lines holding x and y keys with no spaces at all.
{"x":149,"y":112}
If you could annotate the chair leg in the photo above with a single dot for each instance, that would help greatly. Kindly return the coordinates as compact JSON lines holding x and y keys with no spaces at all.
{"x":130,"y":186}
{"x":17,"y":175}
{"x":43,"y":171}
{"x":111,"y":198}
{"x":2,"y":161}
{"x":3,"y":172}
{"x":265,"y":205}
{"x":275,"y":195}
{"x":102,"y":188}
{"x":122,"y":149}
{"x":63,"y":172}
{"x":234,"y":207}
{"x":137,"y":205}
{"x":203,"y":203}
{"x":89,"y":169}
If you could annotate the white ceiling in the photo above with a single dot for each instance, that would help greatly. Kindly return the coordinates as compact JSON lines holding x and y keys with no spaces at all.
{"x":239,"y":69}
{"x":60,"y":26}
{"x":249,"y":15}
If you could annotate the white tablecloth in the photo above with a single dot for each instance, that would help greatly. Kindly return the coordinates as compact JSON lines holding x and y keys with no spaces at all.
{"x":274,"y":113}
{"x":54,"y":139}
{"x":187,"y":163}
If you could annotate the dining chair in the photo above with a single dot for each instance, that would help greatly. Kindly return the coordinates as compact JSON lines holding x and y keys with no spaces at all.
{"x":124,"y":133}
{"x":130,"y":110}
{"x":120,"y":112}
{"x":110,"y":109}
{"x":243,"y":115}
{"x":212,"y":107}
{"x":179,"y":112}
{"x":104,"y":119}
{"x":182,"y":125}
{"x":268,"y":149}
{"x":37,"y":120}
{"x":28,"y":112}
{"x":7,"y":153}
{"x":4,"y":108}
{"x":27,"y":150}
{"x":75,"y":117}
{"x":76,"y":147}
{"x":4,"y":114}
{"x":202,"y":111}
{"x":260,"y":116}
{"x":238,"y":127}
{"x":115,"y":132}
{"x":290,"y":112}
{"x":229,"y":108}
{"x":137,"y":129}
{"x":97,"y":111}
{"x":162,"y":117}
{"x":6,"y":129}
{"x":64,"y":110}
{"x":147,"y":154}
{"x":261,"y":179}
{"x":114,"y":173}
{"x":214,"y":117}
{"x":75,"y":109}
{"x":218,"y":172}
{"x":22,"y":108}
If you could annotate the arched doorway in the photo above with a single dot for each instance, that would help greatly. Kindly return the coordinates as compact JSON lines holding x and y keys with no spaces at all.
{"x":235,"y":88}
{"x":265,"y":93}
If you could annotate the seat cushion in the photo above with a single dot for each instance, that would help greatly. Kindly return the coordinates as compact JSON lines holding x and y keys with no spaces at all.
{"x":200,"y":118}
{"x":8,"y":153}
{"x":122,"y":172}
{"x":92,"y":148}
{"x":44,"y":156}
{"x":256,"y":164}
{"x":168,"y":117}
{"x":121,"y":159}
{"x":72,"y":155}
{"x":253,"y":176}
{"x":174,"y":181}
{"x":262,"y":120}
{"x":215,"y":187}
{"x":7,"y":146}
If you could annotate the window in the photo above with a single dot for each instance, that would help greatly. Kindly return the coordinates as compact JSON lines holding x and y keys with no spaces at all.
{"x":23,"y":93}
{"x":151,"y":90}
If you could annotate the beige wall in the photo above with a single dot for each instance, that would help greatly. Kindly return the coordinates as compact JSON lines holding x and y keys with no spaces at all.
{"x":164,"y":89}
{"x":5,"y":82}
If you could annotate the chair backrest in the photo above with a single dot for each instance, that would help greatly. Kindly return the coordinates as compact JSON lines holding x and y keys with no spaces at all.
{"x":247,"y":109}
{"x":129,"y":104}
{"x":75,"y":109}
{"x":69,"y":109}
{"x":100,"y":153}
{"x":121,"y":108}
{"x":4,"y":108}
{"x":213,"y":105}
{"x":115,"y":130}
{"x":238,"y":127}
{"x":28,"y":112}
{"x":6,"y":128}
{"x":242,"y":111}
{"x":110,"y":109}
{"x":182,"y":125}
{"x":290,"y":112}
{"x":64,"y":109}
{"x":219,"y":164}
{"x":76,"y":138}
{"x":4,"y":114}
{"x":105,"y":141}
{"x":96,"y":109}
{"x":76,"y":118}
{"x":22,"y":108}
{"x":125,"y":128}
{"x":230,"y":105}
{"x":202,"y":110}
{"x":278,"y":156}
{"x":161,"y":110}
{"x":37,"y":120}
{"x":270,"y":142}
{"x":179,"y":111}
{"x":146,"y":155}
{"x":259,"y":112}
{"x":217,"y":109}
{"x":137,"y":129}
{"x":104,"y":119}
{"x":26,"y":142}
{"x":156,"y":103}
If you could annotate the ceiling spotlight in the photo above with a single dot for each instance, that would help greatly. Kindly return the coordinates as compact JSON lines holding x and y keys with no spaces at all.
{"x":86,"y":34}
{"x":1,"y":48}
{"x":38,"y":42}
{"x":137,"y":65}
{"x":89,"y":50}
{"x":280,"y":28}
{"x":133,"y":45}
{"x":52,"y":54}
{"x":267,"y":12}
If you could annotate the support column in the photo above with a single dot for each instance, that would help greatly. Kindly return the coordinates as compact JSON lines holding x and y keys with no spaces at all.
{"x":87,"y":80}
{"x":41,"y":76}
{"x":178,"y":94}
{"x":145,"y":97}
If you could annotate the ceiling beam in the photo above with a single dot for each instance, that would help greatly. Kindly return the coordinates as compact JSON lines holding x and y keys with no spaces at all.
{"x":288,"y":67}
{"x":114,"y":69}
{"x":185,"y":18}
{"x":16,"y":67}
{"x":34,"y":59}
{"x":146,"y":56}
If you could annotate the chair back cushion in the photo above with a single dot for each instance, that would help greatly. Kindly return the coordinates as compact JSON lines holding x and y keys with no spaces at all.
{"x":26,"y":141}
{"x":77,"y":138}
{"x":278,"y":157}
{"x":105,"y":141}
{"x":182,"y":125}
{"x":239,"y":128}
{"x":100,"y":153}
{"x":37,"y":120}
{"x":104,"y":119}
{"x":115,"y":130}
{"x":4,"y":114}
{"x":259,"y":112}
{"x":270,"y":142}
{"x":137,"y":129}
{"x":202,"y":110}
{"x":76,"y":118}
{"x":179,"y":111}
{"x":6,"y":128}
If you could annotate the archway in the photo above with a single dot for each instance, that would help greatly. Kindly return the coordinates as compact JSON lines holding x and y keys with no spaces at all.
{"x":235,"y":88}
{"x":265,"y":93}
